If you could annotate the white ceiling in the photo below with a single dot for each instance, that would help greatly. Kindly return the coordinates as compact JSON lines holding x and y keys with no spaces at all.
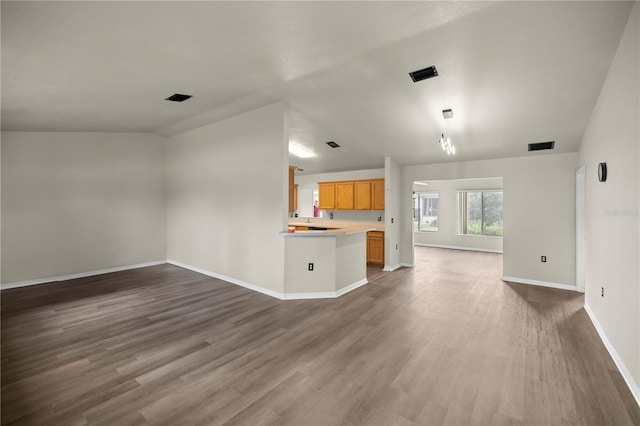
{"x":513,"y":72}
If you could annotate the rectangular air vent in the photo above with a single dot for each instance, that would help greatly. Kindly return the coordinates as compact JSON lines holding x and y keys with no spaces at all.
{"x":178,"y":97}
{"x":332,"y":144}
{"x":424,"y":74}
{"x":540,"y":146}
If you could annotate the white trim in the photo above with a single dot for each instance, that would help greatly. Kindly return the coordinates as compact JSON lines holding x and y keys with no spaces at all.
{"x":326,"y":294}
{"x":55,"y":278}
{"x":351,"y":287}
{"x":540,"y":283}
{"x":392,"y":268}
{"x":458,"y":247}
{"x":407,"y":265}
{"x":617,"y":359}
{"x":276,"y":294}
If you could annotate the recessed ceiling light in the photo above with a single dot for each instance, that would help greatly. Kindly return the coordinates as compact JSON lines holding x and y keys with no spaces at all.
{"x":447,"y":113}
{"x":300,"y":151}
{"x":178,"y":97}
{"x":424,"y":74}
{"x":541,"y":146}
{"x":332,"y":144}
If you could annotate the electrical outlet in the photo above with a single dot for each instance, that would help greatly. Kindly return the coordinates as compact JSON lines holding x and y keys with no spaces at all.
{"x":310,"y":267}
{"x":602,"y":291}
{"x":543,"y":258}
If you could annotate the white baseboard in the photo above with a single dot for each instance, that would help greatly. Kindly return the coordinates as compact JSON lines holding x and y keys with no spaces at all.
{"x":326,"y":294}
{"x":392,"y":268}
{"x":55,"y":278}
{"x":351,"y":287}
{"x":626,"y":374}
{"x":540,"y":283}
{"x":457,"y":247}
{"x":272,"y":293}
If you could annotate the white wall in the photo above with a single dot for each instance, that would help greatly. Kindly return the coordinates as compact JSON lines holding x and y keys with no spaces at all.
{"x":227,"y":197}
{"x":446,"y":235}
{"x":612,"y":208}
{"x":79,"y":202}
{"x":393,"y":209}
{"x":539,"y":212}
{"x":308,"y":183}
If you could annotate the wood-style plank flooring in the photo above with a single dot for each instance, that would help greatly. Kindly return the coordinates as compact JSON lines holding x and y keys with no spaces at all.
{"x":445,"y":343}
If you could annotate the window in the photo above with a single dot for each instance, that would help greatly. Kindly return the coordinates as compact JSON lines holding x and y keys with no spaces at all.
{"x":480,"y":213}
{"x":425,"y":211}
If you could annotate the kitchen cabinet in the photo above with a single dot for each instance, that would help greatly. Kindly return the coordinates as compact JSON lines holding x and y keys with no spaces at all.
{"x":362,"y":199}
{"x":327,"y":195}
{"x":375,"y":247}
{"x":344,"y":195}
{"x":377,"y":194}
{"x":291,"y":183}
{"x":295,"y":197}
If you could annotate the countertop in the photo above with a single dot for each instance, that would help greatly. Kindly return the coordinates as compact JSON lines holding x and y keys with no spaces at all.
{"x":336,"y":227}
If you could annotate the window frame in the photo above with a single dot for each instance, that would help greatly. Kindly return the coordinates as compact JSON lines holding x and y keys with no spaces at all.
{"x":459,"y":211}
{"x":417,"y":194}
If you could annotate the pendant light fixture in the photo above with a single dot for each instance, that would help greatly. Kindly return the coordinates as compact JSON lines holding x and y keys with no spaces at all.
{"x":444,"y":141}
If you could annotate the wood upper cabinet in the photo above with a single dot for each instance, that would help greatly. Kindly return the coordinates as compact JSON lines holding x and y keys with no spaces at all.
{"x":363,"y":194}
{"x":362,"y":199}
{"x":291,"y":179}
{"x":344,"y":195}
{"x":327,"y":195}
{"x":295,"y":197}
{"x":377,"y":194}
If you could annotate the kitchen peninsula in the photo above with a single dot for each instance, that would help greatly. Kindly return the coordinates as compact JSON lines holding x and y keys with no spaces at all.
{"x":326,"y":262}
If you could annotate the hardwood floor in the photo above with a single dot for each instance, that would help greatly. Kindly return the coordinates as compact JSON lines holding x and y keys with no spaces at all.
{"x":445,"y":343}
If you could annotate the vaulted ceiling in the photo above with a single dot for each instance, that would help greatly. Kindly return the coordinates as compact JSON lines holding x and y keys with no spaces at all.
{"x":513,"y":72}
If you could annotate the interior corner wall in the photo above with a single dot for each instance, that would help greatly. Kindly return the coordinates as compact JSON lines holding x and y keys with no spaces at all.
{"x":80,"y":202}
{"x":612,"y":218}
{"x":539,"y":212}
{"x":227,"y":197}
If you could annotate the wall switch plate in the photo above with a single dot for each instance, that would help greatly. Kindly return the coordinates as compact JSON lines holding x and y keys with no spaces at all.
{"x":310,"y":267}
{"x":543,"y":258}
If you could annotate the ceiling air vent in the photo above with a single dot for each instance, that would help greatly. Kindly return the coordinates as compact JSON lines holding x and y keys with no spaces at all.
{"x":540,"y":146}
{"x":178,"y":98}
{"x":332,"y":144}
{"x":424,"y":74}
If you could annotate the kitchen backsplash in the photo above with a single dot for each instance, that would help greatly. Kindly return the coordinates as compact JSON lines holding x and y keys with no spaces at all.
{"x":359,"y":215}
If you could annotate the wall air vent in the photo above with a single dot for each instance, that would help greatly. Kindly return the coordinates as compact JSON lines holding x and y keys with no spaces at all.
{"x":178,"y":97}
{"x":540,"y":146}
{"x":332,"y":144}
{"x":424,"y":74}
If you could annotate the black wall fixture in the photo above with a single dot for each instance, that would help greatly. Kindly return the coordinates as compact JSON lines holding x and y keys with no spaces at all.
{"x":541,"y":146}
{"x":424,"y":74}
{"x":602,"y":172}
{"x":178,"y":97}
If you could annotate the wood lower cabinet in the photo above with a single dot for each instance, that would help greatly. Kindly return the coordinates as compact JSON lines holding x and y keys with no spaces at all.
{"x":375,"y":247}
{"x":344,"y":195}
{"x":327,"y":195}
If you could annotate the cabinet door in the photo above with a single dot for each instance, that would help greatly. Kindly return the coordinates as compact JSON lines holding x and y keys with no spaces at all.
{"x":291,"y":179}
{"x":327,"y":196}
{"x":375,"y":247}
{"x":363,"y":195}
{"x":295,"y":197}
{"x":377,"y":194}
{"x":344,"y":195}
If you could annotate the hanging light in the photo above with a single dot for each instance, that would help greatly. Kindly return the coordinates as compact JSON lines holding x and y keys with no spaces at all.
{"x":445,"y":142}
{"x":446,"y":145}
